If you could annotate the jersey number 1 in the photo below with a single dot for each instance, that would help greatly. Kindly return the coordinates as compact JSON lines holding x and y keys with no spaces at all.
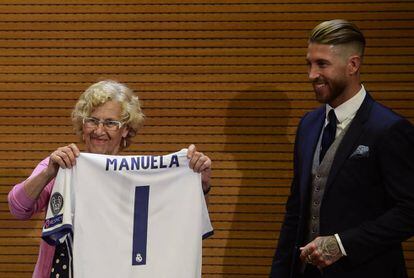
{"x":139,"y":239}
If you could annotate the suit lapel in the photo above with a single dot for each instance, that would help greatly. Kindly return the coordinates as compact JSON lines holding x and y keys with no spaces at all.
{"x":348,"y":143}
{"x":311,"y":133}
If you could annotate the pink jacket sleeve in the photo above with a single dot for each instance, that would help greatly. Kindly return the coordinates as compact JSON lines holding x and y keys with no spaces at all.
{"x":21,"y":205}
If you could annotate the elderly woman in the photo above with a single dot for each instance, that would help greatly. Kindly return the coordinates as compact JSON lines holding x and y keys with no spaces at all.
{"x":106,"y":116}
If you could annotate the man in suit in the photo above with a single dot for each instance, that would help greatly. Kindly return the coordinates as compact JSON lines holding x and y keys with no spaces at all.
{"x":352,"y":196}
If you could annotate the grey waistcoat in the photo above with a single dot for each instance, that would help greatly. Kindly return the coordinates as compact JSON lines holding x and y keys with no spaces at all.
{"x":320,"y":173}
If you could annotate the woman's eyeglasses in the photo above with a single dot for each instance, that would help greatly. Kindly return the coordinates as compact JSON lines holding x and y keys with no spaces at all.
{"x":112,"y":125}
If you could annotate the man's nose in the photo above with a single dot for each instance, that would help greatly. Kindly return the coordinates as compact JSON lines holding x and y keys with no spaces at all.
{"x":313,"y":73}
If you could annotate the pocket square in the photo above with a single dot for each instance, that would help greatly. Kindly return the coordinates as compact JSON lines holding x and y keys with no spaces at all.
{"x":360,"y":151}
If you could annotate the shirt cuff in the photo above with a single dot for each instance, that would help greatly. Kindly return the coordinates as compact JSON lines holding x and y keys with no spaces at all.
{"x":338,"y":239}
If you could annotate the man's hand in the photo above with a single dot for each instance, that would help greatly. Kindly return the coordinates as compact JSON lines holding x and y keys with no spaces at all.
{"x":321,"y":252}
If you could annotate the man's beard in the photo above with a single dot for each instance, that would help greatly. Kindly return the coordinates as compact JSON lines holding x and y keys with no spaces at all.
{"x":334,"y":87}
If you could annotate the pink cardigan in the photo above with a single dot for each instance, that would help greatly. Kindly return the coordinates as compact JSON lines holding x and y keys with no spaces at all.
{"x":23,"y":207}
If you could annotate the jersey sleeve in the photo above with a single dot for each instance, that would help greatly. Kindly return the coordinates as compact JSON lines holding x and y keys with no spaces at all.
{"x":59,"y":216}
{"x":207,"y":227}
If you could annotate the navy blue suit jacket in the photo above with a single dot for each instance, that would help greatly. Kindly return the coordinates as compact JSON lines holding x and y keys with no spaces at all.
{"x":368,"y":200}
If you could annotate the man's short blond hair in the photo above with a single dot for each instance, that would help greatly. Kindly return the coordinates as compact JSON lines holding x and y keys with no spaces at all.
{"x":100,"y":93}
{"x":339,"y":32}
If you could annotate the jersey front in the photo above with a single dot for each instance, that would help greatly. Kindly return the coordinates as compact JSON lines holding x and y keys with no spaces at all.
{"x":131,"y":216}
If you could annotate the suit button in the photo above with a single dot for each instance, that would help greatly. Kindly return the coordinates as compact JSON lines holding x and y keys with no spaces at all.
{"x":316,"y":203}
{"x":317,"y":189}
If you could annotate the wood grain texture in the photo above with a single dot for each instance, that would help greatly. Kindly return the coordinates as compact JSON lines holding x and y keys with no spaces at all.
{"x":229,"y":76}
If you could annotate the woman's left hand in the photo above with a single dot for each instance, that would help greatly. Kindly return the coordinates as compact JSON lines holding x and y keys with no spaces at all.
{"x":200,"y":163}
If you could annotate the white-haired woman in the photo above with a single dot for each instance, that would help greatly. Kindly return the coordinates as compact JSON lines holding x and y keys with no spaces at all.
{"x":106,"y":117}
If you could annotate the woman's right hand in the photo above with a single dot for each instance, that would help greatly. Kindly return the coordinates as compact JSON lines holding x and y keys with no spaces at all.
{"x":64,"y":157}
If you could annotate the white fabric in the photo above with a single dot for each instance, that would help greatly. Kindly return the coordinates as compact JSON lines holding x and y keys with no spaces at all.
{"x":98,"y":206}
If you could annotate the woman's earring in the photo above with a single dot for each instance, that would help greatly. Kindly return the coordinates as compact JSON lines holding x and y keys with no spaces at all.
{"x":125,"y":142}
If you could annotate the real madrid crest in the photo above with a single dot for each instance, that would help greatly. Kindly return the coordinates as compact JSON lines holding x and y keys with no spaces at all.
{"x":56,"y":203}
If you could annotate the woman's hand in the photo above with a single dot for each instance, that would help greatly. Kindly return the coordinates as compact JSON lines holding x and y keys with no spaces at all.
{"x":64,"y":157}
{"x":200,"y":163}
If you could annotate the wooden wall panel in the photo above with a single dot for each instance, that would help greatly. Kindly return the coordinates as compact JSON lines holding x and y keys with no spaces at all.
{"x":229,"y":76}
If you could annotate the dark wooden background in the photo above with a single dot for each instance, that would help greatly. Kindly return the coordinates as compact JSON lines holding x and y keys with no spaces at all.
{"x":229,"y":76}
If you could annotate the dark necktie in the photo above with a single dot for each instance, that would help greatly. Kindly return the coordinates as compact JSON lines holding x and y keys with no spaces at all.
{"x":328,"y":135}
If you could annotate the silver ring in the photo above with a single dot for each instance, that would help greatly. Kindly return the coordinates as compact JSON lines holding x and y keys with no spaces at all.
{"x":309,"y":259}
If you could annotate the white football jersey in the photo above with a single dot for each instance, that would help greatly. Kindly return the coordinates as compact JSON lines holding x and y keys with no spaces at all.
{"x":131,"y":216}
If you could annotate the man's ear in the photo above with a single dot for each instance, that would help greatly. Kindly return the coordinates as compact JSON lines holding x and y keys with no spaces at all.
{"x":354,"y":64}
